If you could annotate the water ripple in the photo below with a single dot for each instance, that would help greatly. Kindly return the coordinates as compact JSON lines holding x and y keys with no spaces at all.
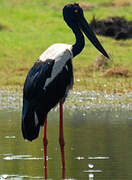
{"x":99,"y":157}
{"x":19,"y":177}
{"x":22,"y":157}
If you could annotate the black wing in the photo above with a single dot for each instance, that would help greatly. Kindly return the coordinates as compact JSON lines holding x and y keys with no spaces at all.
{"x":32,"y":92}
{"x":36,"y":78}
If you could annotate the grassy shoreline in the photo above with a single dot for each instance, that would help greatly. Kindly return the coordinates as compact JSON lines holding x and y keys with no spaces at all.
{"x":29,"y":27}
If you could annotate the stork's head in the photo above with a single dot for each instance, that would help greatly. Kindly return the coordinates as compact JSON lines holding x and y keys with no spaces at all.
{"x":74,"y":17}
{"x":72,"y":13}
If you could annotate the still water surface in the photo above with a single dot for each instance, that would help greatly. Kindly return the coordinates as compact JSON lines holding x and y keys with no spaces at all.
{"x":98,"y":145}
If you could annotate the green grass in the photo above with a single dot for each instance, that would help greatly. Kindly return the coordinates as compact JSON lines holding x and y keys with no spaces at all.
{"x":31,"y":26}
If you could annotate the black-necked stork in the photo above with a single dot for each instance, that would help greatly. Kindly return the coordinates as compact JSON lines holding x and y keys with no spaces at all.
{"x":51,"y":77}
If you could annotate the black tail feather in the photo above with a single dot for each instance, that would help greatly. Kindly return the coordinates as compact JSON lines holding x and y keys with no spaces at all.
{"x":30,"y":128}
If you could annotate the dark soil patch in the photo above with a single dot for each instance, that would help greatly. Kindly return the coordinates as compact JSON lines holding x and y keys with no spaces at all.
{"x":115,"y":27}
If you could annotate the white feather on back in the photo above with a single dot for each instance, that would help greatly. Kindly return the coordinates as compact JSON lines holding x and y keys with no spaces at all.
{"x":55,"y":51}
{"x":61,"y":53}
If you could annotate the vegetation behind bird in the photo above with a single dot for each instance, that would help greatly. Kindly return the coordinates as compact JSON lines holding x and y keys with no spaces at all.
{"x":31,"y":26}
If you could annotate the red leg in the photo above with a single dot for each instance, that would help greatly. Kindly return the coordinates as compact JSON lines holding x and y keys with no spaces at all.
{"x":61,"y":134}
{"x":61,"y":141}
{"x":45,"y":140}
{"x":45,"y":143}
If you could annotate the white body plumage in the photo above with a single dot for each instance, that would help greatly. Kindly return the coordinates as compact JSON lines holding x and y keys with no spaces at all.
{"x":60,"y":53}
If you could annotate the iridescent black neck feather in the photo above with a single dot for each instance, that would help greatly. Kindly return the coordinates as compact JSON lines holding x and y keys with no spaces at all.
{"x":80,"y":41}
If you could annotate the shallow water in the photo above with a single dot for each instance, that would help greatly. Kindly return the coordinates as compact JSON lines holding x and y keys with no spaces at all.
{"x":98,"y":143}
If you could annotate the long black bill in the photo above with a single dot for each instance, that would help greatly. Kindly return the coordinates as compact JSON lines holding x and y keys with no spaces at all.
{"x":92,"y":37}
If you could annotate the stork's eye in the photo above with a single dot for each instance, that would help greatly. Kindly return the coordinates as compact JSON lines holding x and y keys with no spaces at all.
{"x":76,"y":11}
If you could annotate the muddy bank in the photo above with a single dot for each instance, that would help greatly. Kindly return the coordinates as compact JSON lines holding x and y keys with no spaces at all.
{"x":115,"y":27}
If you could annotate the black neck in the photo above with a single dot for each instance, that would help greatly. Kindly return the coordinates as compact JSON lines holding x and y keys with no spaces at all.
{"x":80,"y":42}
